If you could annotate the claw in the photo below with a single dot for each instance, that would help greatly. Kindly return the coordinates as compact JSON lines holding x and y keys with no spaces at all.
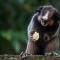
{"x":24,"y":55}
{"x":51,"y":54}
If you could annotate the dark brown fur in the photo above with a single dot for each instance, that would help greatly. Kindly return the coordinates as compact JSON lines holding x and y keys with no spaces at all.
{"x":48,"y":35}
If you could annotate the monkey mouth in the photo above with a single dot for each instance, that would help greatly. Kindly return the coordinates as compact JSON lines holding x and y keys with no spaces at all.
{"x":44,"y":23}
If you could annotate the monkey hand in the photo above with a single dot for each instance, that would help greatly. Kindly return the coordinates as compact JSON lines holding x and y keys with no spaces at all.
{"x":51,"y":54}
{"x":24,"y":55}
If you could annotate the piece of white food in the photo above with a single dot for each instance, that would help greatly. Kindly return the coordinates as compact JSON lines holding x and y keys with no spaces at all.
{"x":35,"y":36}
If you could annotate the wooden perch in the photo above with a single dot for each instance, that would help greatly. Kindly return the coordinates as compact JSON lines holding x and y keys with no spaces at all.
{"x":32,"y":57}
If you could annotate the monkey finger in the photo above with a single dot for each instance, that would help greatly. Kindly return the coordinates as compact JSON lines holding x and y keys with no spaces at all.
{"x":25,"y":56}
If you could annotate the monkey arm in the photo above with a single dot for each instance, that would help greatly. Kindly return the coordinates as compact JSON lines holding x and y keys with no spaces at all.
{"x":31,"y":47}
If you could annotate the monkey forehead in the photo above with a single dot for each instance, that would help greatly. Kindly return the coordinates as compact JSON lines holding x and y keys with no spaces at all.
{"x":49,"y":8}
{"x":46,"y":16}
{"x":45,"y":10}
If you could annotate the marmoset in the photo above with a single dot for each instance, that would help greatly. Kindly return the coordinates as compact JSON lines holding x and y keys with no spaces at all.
{"x":43,"y":31}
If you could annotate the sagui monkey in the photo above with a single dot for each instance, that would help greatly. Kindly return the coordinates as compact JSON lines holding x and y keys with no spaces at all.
{"x":43,"y":31}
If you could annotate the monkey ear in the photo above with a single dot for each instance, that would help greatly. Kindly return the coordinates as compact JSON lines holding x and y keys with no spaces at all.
{"x":39,"y":9}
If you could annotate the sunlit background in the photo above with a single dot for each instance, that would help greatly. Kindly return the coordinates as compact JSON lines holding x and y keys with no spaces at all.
{"x":14,"y":19}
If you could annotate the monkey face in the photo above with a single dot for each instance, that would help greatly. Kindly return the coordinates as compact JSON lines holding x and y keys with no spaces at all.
{"x":45,"y":21}
{"x":45,"y":17}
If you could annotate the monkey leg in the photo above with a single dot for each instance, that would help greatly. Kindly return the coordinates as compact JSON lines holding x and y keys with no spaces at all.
{"x":52,"y":47}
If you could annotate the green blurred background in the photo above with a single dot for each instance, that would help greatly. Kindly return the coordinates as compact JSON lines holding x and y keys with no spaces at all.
{"x":14,"y":19}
